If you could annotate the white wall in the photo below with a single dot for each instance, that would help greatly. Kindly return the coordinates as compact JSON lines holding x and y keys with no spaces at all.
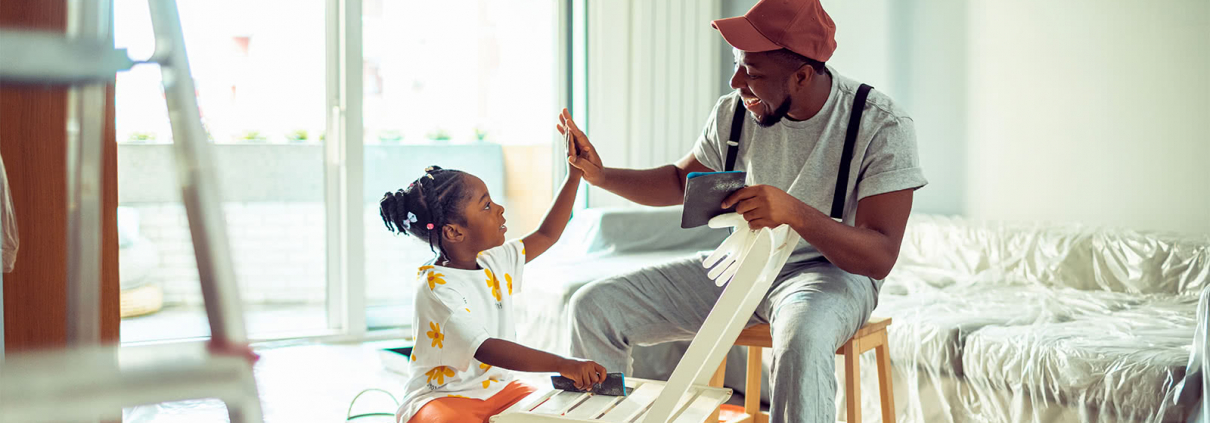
{"x":653,"y":69}
{"x":1092,"y":111}
{"x":1081,"y":110}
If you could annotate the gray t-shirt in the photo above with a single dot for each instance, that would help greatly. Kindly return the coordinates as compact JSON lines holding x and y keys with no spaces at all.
{"x":803,"y":157}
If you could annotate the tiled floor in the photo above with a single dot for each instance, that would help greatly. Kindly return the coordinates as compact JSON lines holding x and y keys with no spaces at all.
{"x":305,"y":383}
{"x":190,"y":322}
{"x":310,"y":383}
{"x":263,"y":321}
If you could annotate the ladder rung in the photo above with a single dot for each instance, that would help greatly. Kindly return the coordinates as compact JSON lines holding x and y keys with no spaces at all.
{"x":98,"y":381}
{"x":51,"y":57}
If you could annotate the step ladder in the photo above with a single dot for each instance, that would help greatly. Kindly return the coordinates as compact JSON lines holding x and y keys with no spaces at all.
{"x":89,"y":381}
{"x":687,"y":396}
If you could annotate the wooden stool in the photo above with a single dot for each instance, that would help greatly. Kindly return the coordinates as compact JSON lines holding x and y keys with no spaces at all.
{"x":871,"y":336}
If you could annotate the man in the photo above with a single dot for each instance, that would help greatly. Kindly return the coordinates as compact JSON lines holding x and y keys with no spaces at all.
{"x":791,"y":138}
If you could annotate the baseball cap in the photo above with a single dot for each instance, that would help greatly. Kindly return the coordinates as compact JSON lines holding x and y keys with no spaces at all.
{"x":800,"y":26}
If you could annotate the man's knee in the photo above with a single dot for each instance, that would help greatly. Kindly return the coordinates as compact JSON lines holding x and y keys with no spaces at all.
{"x":802,"y":342}
{"x":816,"y":334}
{"x":589,"y":303}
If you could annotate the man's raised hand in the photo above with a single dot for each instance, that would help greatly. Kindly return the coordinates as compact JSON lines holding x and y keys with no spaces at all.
{"x":580,"y":153}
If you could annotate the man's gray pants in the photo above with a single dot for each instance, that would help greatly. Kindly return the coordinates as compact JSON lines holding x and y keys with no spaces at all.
{"x":812,"y":308}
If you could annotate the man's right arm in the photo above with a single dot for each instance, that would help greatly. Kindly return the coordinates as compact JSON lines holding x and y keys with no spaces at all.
{"x":661,"y":186}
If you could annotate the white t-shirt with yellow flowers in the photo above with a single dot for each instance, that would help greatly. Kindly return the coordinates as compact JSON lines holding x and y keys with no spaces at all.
{"x":456,"y":310}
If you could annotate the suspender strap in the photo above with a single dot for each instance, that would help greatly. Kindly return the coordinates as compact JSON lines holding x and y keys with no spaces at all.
{"x":737,"y":126}
{"x":846,"y":158}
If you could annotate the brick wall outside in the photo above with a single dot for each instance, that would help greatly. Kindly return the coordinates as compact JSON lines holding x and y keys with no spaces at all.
{"x":275,"y":214}
{"x":279,"y":255}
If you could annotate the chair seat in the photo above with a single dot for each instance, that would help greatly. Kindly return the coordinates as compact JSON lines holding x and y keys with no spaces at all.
{"x":761,"y":336}
{"x":871,"y":336}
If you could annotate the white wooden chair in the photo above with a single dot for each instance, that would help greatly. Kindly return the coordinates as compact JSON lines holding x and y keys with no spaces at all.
{"x":686,"y":396}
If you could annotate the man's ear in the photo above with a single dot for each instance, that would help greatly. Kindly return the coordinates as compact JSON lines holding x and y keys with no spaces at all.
{"x":453,"y":233}
{"x":801,"y":79}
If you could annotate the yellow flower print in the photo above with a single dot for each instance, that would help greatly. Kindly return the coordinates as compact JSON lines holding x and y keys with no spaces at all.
{"x":488,"y":382}
{"x":435,"y":279}
{"x":485,"y":366}
{"x":509,"y":278}
{"x":423,"y":269}
{"x":439,"y":373}
{"x":456,"y":396}
{"x":436,"y":335}
{"x":468,"y":310}
{"x":413,"y":356}
{"x":494,"y":284}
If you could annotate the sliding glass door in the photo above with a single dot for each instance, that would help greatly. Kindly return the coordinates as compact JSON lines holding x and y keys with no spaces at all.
{"x":260,"y":74}
{"x":315,"y":108}
{"x":462,"y":84}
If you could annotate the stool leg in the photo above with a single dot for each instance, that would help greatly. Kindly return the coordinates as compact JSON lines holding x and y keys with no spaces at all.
{"x":752,"y":392}
{"x":852,"y":383}
{"x":717,"y":380}
{"x":885,"y":391}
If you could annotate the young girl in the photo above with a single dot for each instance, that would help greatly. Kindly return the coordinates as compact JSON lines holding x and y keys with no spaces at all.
{"x":464,"y":330}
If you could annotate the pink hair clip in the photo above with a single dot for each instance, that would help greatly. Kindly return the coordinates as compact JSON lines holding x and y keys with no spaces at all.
{"x":430,"y":226}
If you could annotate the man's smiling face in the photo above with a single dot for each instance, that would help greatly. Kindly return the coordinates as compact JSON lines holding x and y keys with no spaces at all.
{"x":763,"y":84}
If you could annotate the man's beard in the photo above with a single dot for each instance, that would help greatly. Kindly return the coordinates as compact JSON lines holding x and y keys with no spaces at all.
{"x":776,"y":116}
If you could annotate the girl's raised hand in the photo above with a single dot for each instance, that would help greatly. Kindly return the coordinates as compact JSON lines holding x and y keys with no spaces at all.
{"x":580,"y":153}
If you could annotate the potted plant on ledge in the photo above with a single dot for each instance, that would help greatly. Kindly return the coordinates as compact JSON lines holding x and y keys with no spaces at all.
{"x":252,"y":137}
{"x":297,"y":136}
{"x":141,"y":138}
{"x":390,"y":136}
{"x":439,"y":135}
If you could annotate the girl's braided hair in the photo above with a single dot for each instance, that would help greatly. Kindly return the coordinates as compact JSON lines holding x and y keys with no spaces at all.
{"x":427,"y":205}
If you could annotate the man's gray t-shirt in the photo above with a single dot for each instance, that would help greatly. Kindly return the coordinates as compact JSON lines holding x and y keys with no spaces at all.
{"x":803,"y":157}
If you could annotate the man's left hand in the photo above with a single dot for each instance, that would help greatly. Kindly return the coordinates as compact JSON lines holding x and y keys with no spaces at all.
{"x":765,"y":206}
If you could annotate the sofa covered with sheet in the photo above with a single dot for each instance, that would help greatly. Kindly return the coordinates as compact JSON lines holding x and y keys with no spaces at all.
{"x":992,"y":322}
{"x":1040,"y":323}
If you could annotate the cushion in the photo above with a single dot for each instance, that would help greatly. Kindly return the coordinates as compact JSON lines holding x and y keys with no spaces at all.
{"x":1057,"y":255}
{"x":931,"y":328}
{"x":1123,"y":359}
{"x":633,"y":230}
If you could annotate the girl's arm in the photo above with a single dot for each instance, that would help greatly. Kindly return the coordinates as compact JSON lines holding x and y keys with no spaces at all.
{"x":556,"y":218}
{"x":513,"y":356}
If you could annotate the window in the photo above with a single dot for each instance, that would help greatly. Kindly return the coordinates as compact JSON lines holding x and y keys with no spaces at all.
{"x":466,"y":84}
{"x":462,"y":84}
{"x":259,"y":69}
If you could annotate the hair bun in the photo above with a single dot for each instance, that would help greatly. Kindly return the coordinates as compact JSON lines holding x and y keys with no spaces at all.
{"x":393,"y":208}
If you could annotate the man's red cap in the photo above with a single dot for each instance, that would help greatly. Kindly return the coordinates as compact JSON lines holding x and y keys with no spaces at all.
{"x":800,"y":26}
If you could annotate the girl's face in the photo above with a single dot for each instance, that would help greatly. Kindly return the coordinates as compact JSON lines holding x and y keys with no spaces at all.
{"x":484,"y":218}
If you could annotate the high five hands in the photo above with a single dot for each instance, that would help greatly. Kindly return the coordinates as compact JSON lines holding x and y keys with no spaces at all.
{"x":580,"y":153}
